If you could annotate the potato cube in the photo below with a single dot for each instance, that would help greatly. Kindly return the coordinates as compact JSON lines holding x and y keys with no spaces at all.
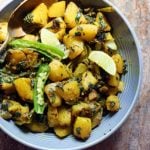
{"x":103,"y":23}
{"x":62,"y":132}
{"x":52,"y":116}
{"x":57,"y":9}
{"x":73,"y":16}
{"x":112,"y":103}
{"x":82,"y":127}
{"x":58,"y":71}
{"x":70,"y":91}
{"x":87,"y":80}
{"x":57,"y":26}
{"x":3,"y":31}
{"x":24,"y":89}
{"x":85,"y":32}
{"x":80,"y":108}
{"x":64,"y":117}
{"x":114,"y":80}
{"x":38,"y":16}
{"x":119,"y":62}
{"x":75,"y":46}
{"x":8,"y":88}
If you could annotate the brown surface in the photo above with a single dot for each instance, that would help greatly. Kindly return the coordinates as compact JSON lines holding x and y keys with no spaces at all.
{"x":135,"y":133}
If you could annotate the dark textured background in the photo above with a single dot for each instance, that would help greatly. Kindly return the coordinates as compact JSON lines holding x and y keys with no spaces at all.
{"x":135,"y":132}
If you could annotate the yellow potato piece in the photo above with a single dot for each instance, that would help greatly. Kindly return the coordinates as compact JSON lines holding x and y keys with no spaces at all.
{"x":75,"y":46}
{"x":38,"y":16}
{"x":58,"y":71}
{"x":57,"y":26}
{"x":62,"y":131}
{"x":70,"y":91}
{"x":23,"y":87}
{"x":103,"y":23}
{"x":82,"y":127}
{"x":80,"y":69}
{"x":85,"y":32}
{"x":73,"y":16}
{"x":119,"y":62}
{"x":88,"y":79}
{"x":8,"y":88}
{"x":57,"y":9}
{"x":37,"y":127}
{"x":64,"y":117}
{"x":121,"y":86}
{"x":114,"y":80}
{"x":3,"y":31}
{"x":112,"y":103}
{"x":79,"y":107}
{"x":52,"y":116}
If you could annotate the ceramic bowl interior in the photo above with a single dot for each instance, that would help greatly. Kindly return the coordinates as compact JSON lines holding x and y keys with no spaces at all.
{"x":129,"y":48}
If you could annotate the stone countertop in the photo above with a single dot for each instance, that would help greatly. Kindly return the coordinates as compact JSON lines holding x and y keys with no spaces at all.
{"x":135,"y":132}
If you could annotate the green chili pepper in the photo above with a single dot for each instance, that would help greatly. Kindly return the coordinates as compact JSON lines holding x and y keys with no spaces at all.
{"x":48,"y":50}
{"x":38,"y":93}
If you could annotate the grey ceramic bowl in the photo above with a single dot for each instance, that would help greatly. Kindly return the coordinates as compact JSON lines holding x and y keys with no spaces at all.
{"x":129,"y":48}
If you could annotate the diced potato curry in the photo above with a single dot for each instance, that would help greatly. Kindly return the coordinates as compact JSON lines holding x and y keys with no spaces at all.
{"x":76,"y":92}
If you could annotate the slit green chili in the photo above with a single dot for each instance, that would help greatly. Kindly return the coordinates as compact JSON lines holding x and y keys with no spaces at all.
{"x":38,"y":93}
{"x":50,"y":51}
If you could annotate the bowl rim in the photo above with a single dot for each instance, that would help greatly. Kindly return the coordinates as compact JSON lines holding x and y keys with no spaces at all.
{"x":136,"y":96}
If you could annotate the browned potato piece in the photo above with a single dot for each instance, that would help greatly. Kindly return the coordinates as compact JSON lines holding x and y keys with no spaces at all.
{"x":115,"y":90}
{"x":80,"y":69}
{"x":112,"y":90}
{"x":19,"y":113}
{"x":103,"y":23}
{"x":54,"y":98}
{"x":75,"y":46}
{"x":80,"y":109}
{"x":58,"y":71}
{"x":14,"y":57}
{"x":96,"y":119}
{"x":88,"y":79}
{"x":112,"y":103}
{"x":52,"y":116}
{"x":57,"y":9}
{"x":24,"y":89}
{"x":82,"y":127}
{"x":31,"y":57}
{"x":64,"y":116}
{"x":73,"y":16}
{"x":57,"y":26}
{"x":119,"y":62}
{"x":104,"y":89}
{"x":62,"y":132}
{"x":95,"y":107}
{"x":37,"y":127}
{"x":114,"y":80}
{"x":85,"y":32}
{"x":21,"y":58}
{"x":70,"y":91}
{"x":93,"y":95}
{"x":8,"y":88}
{"x":3,"y":31}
